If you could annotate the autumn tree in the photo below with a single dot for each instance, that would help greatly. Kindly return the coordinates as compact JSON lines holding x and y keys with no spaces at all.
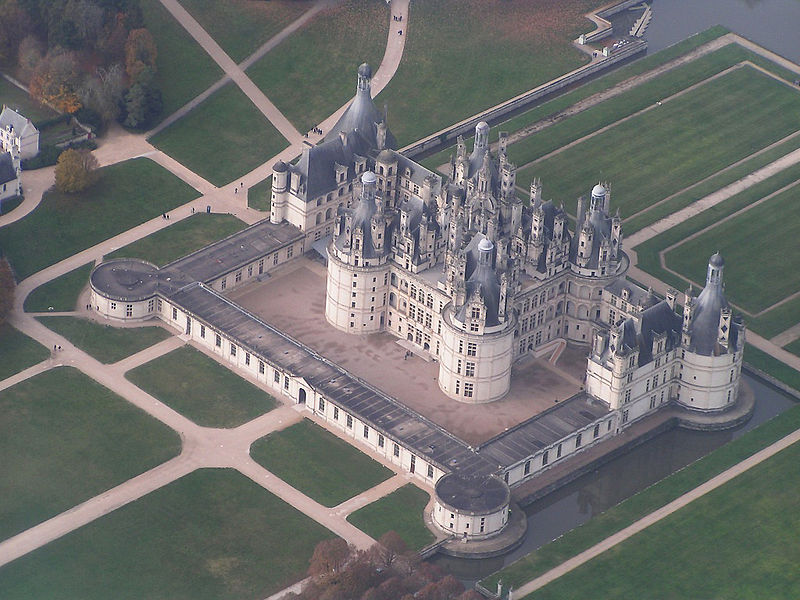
{"x":76,"y":170}
{"x":329,"y":556}
{"x":140,"y":53}
{"x":56,"y":80}
{"x":7,"y":285}
{"x":389,"y":547}
{"x":14,"y":26}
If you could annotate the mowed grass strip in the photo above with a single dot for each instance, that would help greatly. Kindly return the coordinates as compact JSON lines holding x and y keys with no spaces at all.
{"x":738,"y":541}
{"x":211,"y":535}
{"x":307,"y":89}
{"x":772,"y":366}
{"x":493,"y":53}
{"x":634,"y":508}
{"x":754,"y":280}
{"x":65,"y":438}
{"x":105,"y":343}
{"x":184,"y":68}
{"x":201,"y":389}
{"x":20,"y":101}
{"x":180,"y":239}
{"x":777,"y":319}
{"x":318,"y":463}
{"x":128,"y":194}
{"x":672,"y":146}
{"x":258,"y":196}
{"x":18,"y":351}
{"x":402,"y":511}
{"x":223,"y":138}
{"x":59,"y":294}
{"x":241,"y":26}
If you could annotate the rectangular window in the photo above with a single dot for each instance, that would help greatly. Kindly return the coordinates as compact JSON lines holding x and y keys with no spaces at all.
{"x":396,"y":450}
{"x":218,"y":340}
{"x":286,"y":382}
{"x":224,"y":283}
{"x":652,"y":401}
{"x":473,"y":327}
{"x":250,"y":271}
{"x":335,"y":413}
{"x":366,"y":432}
{"x":413,"y":466}
{"x":289,"y":251}
{"x":545,"y":458}
{"x":129,"y":310}
{"x":469,"y":371}
{"x":261,"y":367}
{"x":238,"y":277}
{"x":349,"y":422}
{"x":151,"y":305}
{"x":247,"y":358}
{"x":527,"y":468}
{"x":472,"y":349}
{"x":460,"y":347}
{"x":458,"y":387}
{"x":159,"y":305}
{"x":233,"y":349}
{"x":627,"y":396}
{"x":322,"y":405}
{"x":578,"y":440}
{"x":624,"y":416}
{"x":597,"y":430}
{"x":380,"y":441}
{"x":275,"y":259}
{"x":458,"y":366}
{"x":430,"y":471}
{"x":558,"y":451}
{"x":468,"y":387}
{"x":202,"y":331}
{"x":277,"y":376}
{"x":174,"y":312}
{"x":261,"y":266}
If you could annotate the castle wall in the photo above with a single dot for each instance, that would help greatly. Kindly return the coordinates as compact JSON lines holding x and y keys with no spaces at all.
{"x":467,"y":525}
{"x":356,"y":297}
{"x":709,"y":382}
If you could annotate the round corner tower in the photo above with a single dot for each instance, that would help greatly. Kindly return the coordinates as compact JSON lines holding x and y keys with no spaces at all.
{"x":358,"y":264}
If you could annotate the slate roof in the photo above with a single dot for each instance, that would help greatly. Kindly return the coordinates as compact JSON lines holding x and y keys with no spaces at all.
{"x":7,"y":171}
{"x":22,"y":125}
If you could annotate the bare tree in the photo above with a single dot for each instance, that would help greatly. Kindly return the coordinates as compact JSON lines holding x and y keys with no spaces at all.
{"x":329,"y":556}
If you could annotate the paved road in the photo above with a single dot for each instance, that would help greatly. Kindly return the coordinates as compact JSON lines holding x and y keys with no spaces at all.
{"x":654,"y":517}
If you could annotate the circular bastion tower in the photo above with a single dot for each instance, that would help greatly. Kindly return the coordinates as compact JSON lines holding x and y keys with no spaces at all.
{"x":358,"y":264}
{"x":471,"y":508}
{"x":478,"y":335}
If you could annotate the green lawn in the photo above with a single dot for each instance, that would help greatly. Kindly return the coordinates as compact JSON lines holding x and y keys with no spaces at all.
{"x":180,"y":239}
{"x":201,"y":389}
{"x":64,"y":224}
{"x":491,"y":53}
{"x":672,"y":146}
{"x":606,"y":81}
{"x":306,"y":89}
{"x":241,"y":26}
{"x":753,"y":279}
{"x":105,"y":343}
{"x":794,"y":348}
{"x":211,"y":535}
{"x":18,"y":351}
{"x":19,"y":100}
{"x":60,"y":293}
{"x":184,"y":68}
{"x":223,"y":138}
{"x":318,"y":463}
{"x":64,"y":438}
{"x":401,"y":512}
{"x":772,"y":322}
{"x":738,"y":541}
{"x":772,"y":366}
{"x":645,"y":502}
{"x":258,"y":196}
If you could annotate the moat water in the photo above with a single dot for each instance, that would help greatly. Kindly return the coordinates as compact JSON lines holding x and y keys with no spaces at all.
{"x":596,"y":492}
{"x":772,"y":24}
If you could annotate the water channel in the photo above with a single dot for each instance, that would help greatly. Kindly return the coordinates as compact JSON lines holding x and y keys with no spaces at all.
{"x":610,"y":484}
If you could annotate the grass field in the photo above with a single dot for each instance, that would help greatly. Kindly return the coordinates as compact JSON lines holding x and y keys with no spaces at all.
{"x":401,"y":512}
{"x":306,"y":89}
{"x":224,"y":137}
{"x":18,"y":351}
{"x":645,"y":502}
{"x":65,"y":438}
{"x":65,"y":224}
{"x":657,"y":153}
{"x":606,"y":81}
{"x":241,"y":26}
{"x":777,"y":319}
{"x":794,"y":348}
{"x":753,"y":280}
{"x":201,"y":389}
{"x":772,"y":366}
{"x":184,"y":68}
{"x":735,"y":542}
{"x":19,"y":100}
{"x":258,"y":196}
{"x":318,"y":463}
{"x":180,"y":239}
{"x":105,"y":343}
{"x":60,"y":293}
{"x":211,"y":535}
{"x":493,"y":54}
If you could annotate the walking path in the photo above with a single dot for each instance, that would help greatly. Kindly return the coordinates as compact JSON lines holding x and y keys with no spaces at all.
{"x":657,"y":515}
{"x":233,"y":71}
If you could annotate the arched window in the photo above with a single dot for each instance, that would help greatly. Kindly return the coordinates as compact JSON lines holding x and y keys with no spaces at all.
{"x":392,"y":299}
{"x":319,"y":218}
{"x":328,"y":214}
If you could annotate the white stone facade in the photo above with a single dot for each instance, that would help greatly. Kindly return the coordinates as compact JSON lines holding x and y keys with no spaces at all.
{"x":18,"y":134}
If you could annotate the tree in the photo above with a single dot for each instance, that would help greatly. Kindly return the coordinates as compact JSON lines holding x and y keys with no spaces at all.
{"x":14,"y":26}
{"x":140,"y":52}
{"x":389,"y":547}
{"x":56,"y":80}
{"x":329,"y":556}
{"x":104,"y":93}
{"x":7,"y":285}
{"x":76,"y":170}
{"x":471,"y":595}
{"x":29,"y":56}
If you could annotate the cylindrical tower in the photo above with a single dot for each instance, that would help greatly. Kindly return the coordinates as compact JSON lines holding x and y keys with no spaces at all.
{"x":471,"y":507}
{"x":280,"y":184}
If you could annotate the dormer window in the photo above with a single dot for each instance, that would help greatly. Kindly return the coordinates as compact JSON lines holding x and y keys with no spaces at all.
{"x":476,"y":312}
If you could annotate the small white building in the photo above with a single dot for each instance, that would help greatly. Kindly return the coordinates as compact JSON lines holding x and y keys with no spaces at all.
{"x":10,"y":185}
{"x":18,"y":134}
